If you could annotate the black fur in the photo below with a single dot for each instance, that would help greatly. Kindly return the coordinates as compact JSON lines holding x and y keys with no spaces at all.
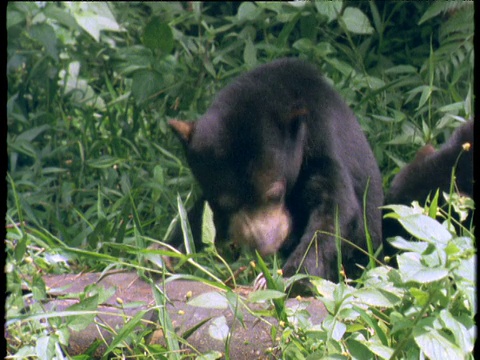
{"x":276,"y":154}
{"x":431,"y":170}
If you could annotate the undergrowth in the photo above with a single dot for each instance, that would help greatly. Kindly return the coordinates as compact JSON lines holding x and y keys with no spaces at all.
{"x":95,"y":178}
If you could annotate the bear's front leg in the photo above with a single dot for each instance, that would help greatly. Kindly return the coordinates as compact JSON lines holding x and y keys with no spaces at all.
{"x":334,"y":209}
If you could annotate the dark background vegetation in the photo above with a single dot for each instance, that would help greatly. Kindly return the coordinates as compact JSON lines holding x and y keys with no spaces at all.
{"x":92,"y":164}
{"x":86,"y":148}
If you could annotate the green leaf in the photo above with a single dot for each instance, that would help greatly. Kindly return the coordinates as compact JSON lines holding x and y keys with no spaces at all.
{"x":165,"y":320}
{"x":234,"y":302}
{"x":187,"y":333}
{"x":186,"y":230}
{"x":426,"y":94}
{"x":324,"y":287}
{"x":335,"y":327}
{"x":79,"y":89}
{"x":465,"y":269}
{"x":435,"y":9}
{"x":209,"y":300}
{"x":401,"y":69}
{"x":464,"y":338}
{"x":331,"y":9}
{"x":247,"y":11}
{"x":384,"y":352}
{"x":45,"y":34}
{"x":14,"y":17}
{"x":63,"y":335}
{"x":421,"y":296}
{"x":376,"y":297}
{"x":287,"y":29}
{"x":21,"y":248}
{"x":304,"y":45}
{"x":209,"y":67}
{"x":158,"y":35}
{"x":125,"y":331}
{"x":329,"y":305}
{"x":208,"y":226}
{"x":134,"y":58}
{"x":342,"y":291}
{"x":358,"y":350}
{"x":30,"y":134}
{"x":93,"y":17}
{"x":59,"y":14}
{"x":81,"y":321}
{"x":39,"y":289}
{"x":435,"y":346}
{"x":433,"y":208}
{"x":45,"y":347}
{"x":402,"y":210}
{"x":425,"y":228}
{"x":411,"y":269}
{"x":146,"y":84}
{"x":26,"y":352}
{"x":402,"y":244}
{"x":374,"y":324}
{"x":104,"y":294}
{"x":272,"y":284}
{"x":265,"y":295}
{"x":356,"y":21}
{"x":219,"y":329}
{"x":289,"y":281}
{"x":104,"y":162}
{"x":250,"y":54}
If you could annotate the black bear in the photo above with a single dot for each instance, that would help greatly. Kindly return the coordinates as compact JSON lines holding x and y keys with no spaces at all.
{"x":281,"y":159}
{"x":431,"y":170}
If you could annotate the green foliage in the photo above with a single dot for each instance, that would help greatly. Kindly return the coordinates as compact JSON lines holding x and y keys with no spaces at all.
{"x":95,"y":176}
{"x":425,"y":308}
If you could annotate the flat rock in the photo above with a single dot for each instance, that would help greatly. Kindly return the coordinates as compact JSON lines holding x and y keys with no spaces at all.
{"x":198,"y":312}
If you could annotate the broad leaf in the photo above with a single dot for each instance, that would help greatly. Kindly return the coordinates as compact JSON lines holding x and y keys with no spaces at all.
{"x":356,"y":21}
{"x":425,"y":228}
{"x":158,"y":35}
{"x":265,"y":295}
{"x":93,"y":17}
{"x":376,"y":297}
{"x":435,"y":346}
{"x":412,"y":269}
{"x":219,"y":329}
{"x":210,"y":300}
{"x":146,"y":84}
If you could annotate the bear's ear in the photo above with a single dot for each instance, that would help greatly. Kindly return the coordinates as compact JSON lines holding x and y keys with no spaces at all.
{"x":424,"y":152}
{"x":183,"y":129}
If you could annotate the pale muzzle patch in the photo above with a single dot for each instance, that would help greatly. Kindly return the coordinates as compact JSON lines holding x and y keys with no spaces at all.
{"x":264,"y":229}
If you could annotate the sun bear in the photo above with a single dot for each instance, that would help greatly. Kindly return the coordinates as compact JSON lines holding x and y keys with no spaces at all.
{"x":431,"y":170}
{"x":283,"y":163}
